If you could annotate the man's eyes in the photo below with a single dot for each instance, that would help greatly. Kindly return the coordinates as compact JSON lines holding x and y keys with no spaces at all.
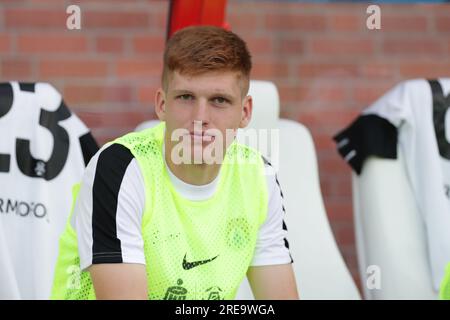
{"x":216,"y":100}
{"x":185,"y":97}
{"x":220,"y":100}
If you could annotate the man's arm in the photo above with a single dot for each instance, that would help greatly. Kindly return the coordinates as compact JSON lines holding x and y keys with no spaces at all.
{"x":273,"y":282}
{"x":119,"y":281}
{"x":107,"y":219}
{"x":270,"y":273}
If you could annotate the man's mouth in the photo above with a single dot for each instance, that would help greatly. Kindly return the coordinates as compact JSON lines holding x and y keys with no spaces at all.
{"x":201,"y":136}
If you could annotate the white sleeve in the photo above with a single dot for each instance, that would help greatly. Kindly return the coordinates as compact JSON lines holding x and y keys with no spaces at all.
{"x":375,"y":133}
{"x":393,"y":106}
{"x":272,"y":246}
{"x":108,"y":211}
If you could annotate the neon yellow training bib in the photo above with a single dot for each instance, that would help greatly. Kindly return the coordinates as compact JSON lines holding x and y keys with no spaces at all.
{"x":445,"y":285}
{"x":193,"y":249}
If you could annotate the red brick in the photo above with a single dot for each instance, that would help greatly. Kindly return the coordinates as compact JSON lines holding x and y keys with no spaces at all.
{"x":293,"y":93}
{"x":290,"y":22}
{"x":316,"y":92}
{"x":443,"y":23}
{"x":55,"y":43}
{"x":413,"y":47}
{"x":262,"y":7}
{"x":35,"y":18}
{"x":345,"y":235}
{"x":334,"y":163}
{"x":259,"y":45}
{"x":350,"y":259}
{"x":119,"y":3}
{"x":403,"y":23}
{"x":113,"y":19}
{"x":339,"y":7}
{"x":41,"y":2}
{"x":291,"y":46}
{"x":441,"y":8}
{"x":377,"y":70}
{"x":109,"y":44}
{"x":98,"y":93}
{"x":5,"y":43}
{"x":270,"y":69}
{"x":367,"y":94}
{"x":345,"y":22}
{"x":139,"y":68}
{"x":247,"y":21}
{"x":341,"y":46}
{"x":15,"y":68}
{"x":314,"y":69}
{"x":82,"y":94}
{"x":158,"y":19}
{"x":323,"y":141}
{"x":343,"y":187}
{"x":149,"y":44}
{"x":146,"y":94}
{"x":326,"y":93}
{"x":327,"y":116}
{"x":115,"y":119}
{"x":335,"y":187}
{"x":72,"y":68}
{"x":339,"y":210}
{"x":424,"y":69}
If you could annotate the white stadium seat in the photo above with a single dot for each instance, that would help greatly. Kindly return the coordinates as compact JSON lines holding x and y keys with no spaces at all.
{"x":390,"y":232}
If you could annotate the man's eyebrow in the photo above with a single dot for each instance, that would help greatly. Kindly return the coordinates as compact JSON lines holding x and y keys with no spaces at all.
{"x":225,"y":95}
{"x":181,"y":91}
{"x":230,"y":97}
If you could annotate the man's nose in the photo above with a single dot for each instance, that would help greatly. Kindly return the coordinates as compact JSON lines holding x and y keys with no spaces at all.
{"x":201,"y":111}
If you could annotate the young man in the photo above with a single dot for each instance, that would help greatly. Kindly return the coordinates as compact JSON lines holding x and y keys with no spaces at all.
{"x":147,"y":225}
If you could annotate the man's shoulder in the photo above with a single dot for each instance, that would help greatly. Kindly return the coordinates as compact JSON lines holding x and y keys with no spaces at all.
{"x":112,"y":160}
{"x":113,"y":154}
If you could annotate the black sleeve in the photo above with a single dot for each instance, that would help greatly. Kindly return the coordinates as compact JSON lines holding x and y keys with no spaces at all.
{"x":111,"y":167}
{"x":89,"y":147}
{"x":368,"y":135}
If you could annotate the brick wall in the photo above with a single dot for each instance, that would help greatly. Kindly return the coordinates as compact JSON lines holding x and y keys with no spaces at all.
{"x":326,"y":64}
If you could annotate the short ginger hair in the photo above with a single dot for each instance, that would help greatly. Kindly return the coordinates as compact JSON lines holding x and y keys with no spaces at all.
{"x":200,"y":49}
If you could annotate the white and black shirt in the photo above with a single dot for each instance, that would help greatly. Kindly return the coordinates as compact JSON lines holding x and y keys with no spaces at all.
{"x":108,"y":213}
{"x":44,"y":149}
{"x":415,"y":115}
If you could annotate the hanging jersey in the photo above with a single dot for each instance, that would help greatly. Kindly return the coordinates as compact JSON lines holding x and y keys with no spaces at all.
{"x":44,"y":149}
{"x":414,"y":115}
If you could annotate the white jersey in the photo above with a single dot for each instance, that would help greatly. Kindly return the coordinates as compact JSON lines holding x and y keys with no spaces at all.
{"x":44,"y":149}
{"x":413,"y":114}
{"x":120,"y":181}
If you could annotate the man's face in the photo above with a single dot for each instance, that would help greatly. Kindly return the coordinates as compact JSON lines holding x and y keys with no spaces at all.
{"x":205,"y":106}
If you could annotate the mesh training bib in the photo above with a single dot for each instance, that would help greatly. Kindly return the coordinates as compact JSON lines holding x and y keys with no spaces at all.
{"x":445,"y":285}
{"x":193,"y":249}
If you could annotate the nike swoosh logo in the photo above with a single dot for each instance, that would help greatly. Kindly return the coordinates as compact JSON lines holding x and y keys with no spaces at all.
{"x":190,"y":265}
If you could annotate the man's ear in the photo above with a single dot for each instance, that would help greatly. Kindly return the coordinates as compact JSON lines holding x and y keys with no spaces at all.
{"x":160,"y":104}
{"x":247,"y":109}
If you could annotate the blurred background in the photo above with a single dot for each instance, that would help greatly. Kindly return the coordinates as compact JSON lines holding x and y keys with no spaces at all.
{"x":325,"y":62}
